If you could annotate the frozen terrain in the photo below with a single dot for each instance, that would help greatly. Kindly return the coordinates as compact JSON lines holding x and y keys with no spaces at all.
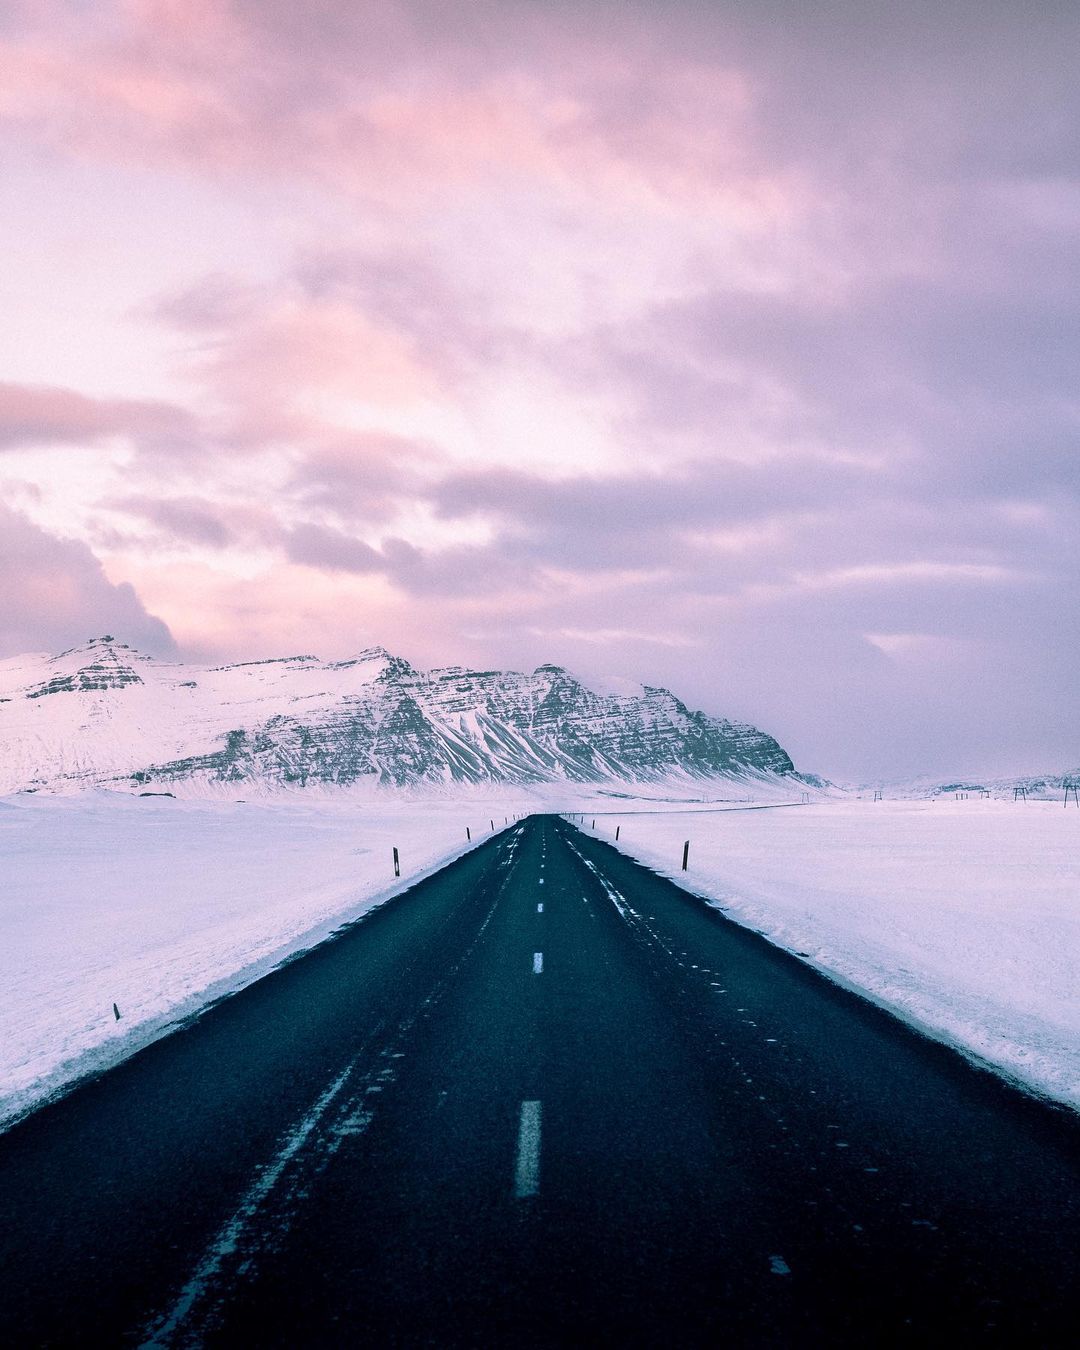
{"x":961,"y":916}
{"x":161,"y":905}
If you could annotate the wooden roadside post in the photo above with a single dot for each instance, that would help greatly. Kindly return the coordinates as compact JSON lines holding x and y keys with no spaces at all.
{"x":685,"y":854}
{"x":468,"y":833}
{"x":397,"y":864}
{"x":617,"y":829}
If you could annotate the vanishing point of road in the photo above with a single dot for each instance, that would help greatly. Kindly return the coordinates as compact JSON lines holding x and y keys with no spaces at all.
{"x":544,"y":1098}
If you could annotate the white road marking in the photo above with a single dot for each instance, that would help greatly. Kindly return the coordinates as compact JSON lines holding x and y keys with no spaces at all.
{"x":540,"y":907}
{"x":540,"y":882}
{"x":538,"y":962}
{"x":779,"y":1266}
{"x":527,"y":1171}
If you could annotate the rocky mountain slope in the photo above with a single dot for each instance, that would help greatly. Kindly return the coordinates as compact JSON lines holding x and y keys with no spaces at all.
{"x":103,"y":714}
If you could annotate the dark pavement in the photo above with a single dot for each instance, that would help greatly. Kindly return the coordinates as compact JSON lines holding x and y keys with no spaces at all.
{"x":544,"y":1098}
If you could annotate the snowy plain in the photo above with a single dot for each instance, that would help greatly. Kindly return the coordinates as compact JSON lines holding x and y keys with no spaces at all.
{"x":963,"y":917}
{"x":161,"y":906}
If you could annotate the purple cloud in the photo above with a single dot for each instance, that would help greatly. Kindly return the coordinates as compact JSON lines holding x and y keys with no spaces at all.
{"x":42,"y":415}
{"x":54,"y":593}
{"x":185,"y":519}
{"x":333,"y":550}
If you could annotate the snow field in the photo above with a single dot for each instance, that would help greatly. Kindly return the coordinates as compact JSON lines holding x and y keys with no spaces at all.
{"x":962,"y":917}
{"x":161,"y":906}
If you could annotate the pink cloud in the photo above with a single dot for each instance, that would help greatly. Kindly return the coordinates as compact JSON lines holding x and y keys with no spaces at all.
{"x":282,"y":364}
{"x":32,"y":415}
{"x":357,"y":103}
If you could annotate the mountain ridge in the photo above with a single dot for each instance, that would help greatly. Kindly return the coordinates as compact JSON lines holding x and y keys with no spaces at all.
{"x":103,"y":714}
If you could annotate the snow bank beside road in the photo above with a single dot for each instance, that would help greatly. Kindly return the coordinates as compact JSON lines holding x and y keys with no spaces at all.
{"x":963,"y":917}
{"x":162,"y":905}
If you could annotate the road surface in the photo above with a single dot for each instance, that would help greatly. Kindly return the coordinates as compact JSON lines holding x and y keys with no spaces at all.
{"x":544,"y":1098}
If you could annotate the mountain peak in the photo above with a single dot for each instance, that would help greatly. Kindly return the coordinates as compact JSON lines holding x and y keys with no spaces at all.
{"x":299,"y":721}
{"x":98,"y":665}
{"x":96,"y":645}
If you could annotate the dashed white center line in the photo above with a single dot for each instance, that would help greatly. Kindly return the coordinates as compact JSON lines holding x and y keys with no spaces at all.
{"x":527,"y":1170}
{"x":540,"y":907}
{"x":540,"y":882}
{"x":538,"y":962}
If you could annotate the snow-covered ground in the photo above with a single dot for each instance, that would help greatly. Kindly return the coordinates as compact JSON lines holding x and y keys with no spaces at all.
{"x":961,"y":916}
{"x":160,"y":906}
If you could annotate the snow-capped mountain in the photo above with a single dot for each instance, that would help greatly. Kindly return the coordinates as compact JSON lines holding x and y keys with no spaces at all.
{"x":103,"y":714}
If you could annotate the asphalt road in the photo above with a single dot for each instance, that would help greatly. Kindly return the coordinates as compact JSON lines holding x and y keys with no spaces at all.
{"x":544,"y":1098}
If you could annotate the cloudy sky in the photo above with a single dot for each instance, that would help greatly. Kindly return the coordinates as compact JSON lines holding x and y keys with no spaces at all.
{"x":725,"y":344}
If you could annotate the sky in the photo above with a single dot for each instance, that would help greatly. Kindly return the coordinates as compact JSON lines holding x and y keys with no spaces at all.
{"x":727,"y":345}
